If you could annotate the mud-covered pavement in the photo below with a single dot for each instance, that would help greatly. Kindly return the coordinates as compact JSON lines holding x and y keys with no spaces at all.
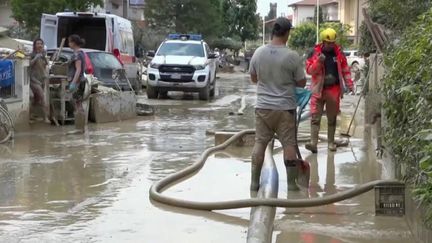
{"x":94,"y":188}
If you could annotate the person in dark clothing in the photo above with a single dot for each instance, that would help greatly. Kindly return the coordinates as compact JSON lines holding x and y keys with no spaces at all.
{"x":77,"y":80}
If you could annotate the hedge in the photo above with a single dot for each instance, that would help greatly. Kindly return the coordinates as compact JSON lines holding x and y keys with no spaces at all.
{"x":407,"y":89}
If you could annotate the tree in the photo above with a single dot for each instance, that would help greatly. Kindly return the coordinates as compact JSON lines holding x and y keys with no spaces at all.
{"x":396,"y":16}
{"x":303,"y":36}
{"x":185,"y":16}
{"x":247,"y":22}
{"x":147,"y":38}
{"x":321,"y":15}
{"x":229,"y":18}
{"x":272,"y":14}
{"x":28,"y":13}
{"x":366,"y":43}
{"x":226,"y":43}
{"x":240,"y":19}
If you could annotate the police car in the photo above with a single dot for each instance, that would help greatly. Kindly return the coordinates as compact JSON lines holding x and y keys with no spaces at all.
{"x":183,"y":62}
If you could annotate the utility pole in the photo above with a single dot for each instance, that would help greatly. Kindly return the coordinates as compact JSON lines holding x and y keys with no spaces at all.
{"x":125,"y":9}
{"x":263,"y":34}
{"x":317,"y":21}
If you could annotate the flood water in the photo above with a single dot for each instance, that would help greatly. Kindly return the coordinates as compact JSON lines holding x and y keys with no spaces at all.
{"x":94,"y":187}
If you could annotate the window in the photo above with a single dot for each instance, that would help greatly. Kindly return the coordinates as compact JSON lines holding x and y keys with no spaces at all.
{"x":181,"y":49}
{"x":127,"y":43}
{"x":207,"y":49}
{"x":93,"y":30}
{"x":104,"y":60}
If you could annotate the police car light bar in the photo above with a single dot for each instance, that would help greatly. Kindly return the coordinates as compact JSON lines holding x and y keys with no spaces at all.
{"x":185,"y":37}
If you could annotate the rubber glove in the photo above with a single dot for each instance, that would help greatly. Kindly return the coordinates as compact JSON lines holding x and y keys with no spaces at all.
{"x":72,"y":87}
{"x":322,"y":57}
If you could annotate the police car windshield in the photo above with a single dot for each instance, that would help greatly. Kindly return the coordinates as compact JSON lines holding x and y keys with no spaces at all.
{"x":181,"y":49}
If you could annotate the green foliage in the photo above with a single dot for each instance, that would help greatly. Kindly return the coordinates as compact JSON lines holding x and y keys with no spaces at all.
{"x":240,"y":19}
{"x":366,"y":43}
{"x":272,"y":14}
{"x":185,"y":16}
{"x":226,"y":43}
{"x":321,"y":15}
{"x":28,"y":13}
{"x":148,"y":38}
{"x":396,"y":16}
{"x":407,"y":91}
{"x":20,"y":32}
{"x":303,"y":36}
{"x":423,"y":193}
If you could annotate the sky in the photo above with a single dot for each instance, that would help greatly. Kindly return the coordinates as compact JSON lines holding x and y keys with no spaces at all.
{"x":264,"y":6}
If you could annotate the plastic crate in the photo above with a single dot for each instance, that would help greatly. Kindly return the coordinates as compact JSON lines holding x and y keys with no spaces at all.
{"x":390,"y":199}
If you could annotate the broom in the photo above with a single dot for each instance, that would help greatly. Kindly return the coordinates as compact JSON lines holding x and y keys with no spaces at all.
{"x":347,"y":133}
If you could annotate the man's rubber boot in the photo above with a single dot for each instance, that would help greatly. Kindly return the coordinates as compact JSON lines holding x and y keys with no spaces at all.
{"x":292,"y":174}
{"x":312,"y":146}
{"x":303,"y":173}
{"x":331,"y":138}
{"x":255,"y":177}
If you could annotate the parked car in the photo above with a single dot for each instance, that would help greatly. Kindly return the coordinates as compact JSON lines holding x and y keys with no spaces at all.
{"x":101,"y":31}
{"x":182,"y":63}
{"x":353,"y":58}
{"x":100,"y":64}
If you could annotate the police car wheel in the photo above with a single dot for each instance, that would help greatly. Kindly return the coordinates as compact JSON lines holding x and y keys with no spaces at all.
{"x":204,"y":93}
{"x":152,"y":93}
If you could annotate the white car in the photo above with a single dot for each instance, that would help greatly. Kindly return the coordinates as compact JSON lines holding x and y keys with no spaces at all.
{"x":353,"y":58}
{"x":182,"y":63}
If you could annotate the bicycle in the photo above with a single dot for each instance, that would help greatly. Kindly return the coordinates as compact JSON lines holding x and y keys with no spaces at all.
{"x":6,"y":123}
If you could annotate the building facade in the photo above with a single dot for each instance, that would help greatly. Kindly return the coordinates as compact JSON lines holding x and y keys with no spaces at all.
{"x":331,"y":10}
{"x":129,"y":9}
{"x":305,"y":10}
{"x":346,"y":11}
{"x":6,"y":19}
{"x":351,"y":13}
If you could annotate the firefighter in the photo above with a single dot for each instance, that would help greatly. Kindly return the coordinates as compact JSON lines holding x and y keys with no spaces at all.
{"x":330,"y":75}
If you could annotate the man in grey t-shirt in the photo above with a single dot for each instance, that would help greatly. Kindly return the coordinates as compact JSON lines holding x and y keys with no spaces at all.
{"x":277,"y":71}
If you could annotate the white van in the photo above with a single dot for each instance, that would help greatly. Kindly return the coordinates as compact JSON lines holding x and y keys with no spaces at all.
{"x":105,"y":32}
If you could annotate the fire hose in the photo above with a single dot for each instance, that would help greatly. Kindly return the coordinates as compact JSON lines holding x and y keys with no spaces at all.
{"x":157,"y":188}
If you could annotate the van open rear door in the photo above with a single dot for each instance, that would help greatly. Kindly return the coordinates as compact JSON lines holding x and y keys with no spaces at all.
{"x":49,"y":30}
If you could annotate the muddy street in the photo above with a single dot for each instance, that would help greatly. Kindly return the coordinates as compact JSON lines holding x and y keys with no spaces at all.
{"x":94,"y":188}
